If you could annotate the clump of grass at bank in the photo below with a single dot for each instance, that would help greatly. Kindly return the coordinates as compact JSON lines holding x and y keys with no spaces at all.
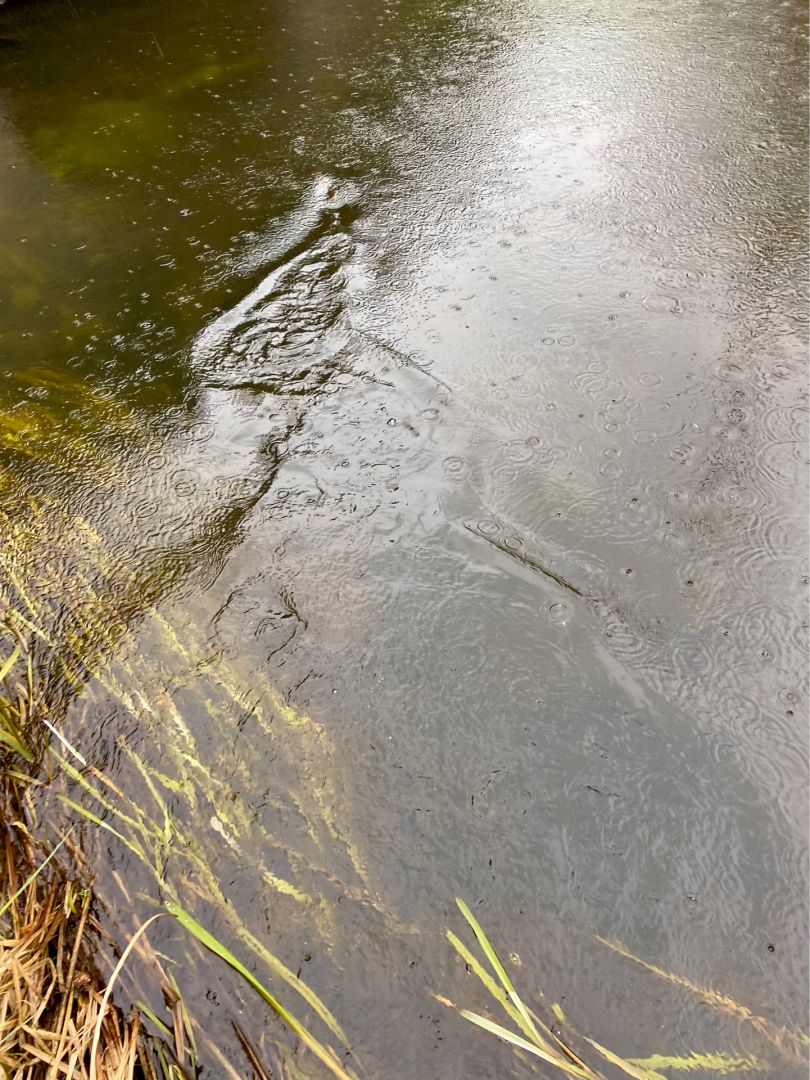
{"x":56,"y":1016}
{"x":50,"y":990}
{"x":50,"y":994}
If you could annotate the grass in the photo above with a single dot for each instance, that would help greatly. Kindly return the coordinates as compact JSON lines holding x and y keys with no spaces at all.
{"x":65,"y":637}
{"x":56,"y":1017}
{"x":61,"y":626}
{"x":533,"y":1038}
{"x":50,"y":993}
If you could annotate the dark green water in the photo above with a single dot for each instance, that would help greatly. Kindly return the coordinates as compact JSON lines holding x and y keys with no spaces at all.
{"x":439,"y":371}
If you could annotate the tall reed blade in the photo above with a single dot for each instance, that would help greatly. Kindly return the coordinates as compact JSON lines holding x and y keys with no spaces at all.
{"x":325,"y":1054}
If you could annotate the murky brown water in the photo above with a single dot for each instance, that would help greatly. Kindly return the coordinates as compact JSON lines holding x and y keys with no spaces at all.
{"x":434,"y":379}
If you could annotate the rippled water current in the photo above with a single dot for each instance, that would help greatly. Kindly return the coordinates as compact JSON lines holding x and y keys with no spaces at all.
{"x":424,"y":387}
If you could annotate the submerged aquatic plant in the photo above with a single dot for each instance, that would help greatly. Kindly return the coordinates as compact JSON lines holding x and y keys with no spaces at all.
{"x":60,"y":1018}
{"x":530,"y":1035}
{"x":64,"y":637}
{"x":13,"y":713}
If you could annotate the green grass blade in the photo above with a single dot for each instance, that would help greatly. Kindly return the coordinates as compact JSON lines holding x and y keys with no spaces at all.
{"x":562,"y":1063}
{"x":34,"y":875}
{"x":637,"y":1072}
{"x":147,"y":1012}
{"x":13,"y":743}
{"x":85,"y":813}
{"x":216,"y":947}
{"x":74,"y":774}
{"x":9,"y":664}
{"x":292,"y":980}
{"x":500,"y":971}
{"x":721,"y":1064}
{"x":495,"y":990}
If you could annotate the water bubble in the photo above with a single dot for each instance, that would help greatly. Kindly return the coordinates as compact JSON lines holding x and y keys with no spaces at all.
{"x":614,"y":264}
{"x":457,"y":468}
{"x":519,"y":451}
{"x":789,"y":697}
{"x":200,"y":432}
{"x":558,"y":614}
{"x":649,"y":378}
{"x":681,"y":453}
{"x":241,"y":487}
{"x":661,"y":302}
{"x":488,"y":527}
{"x":732,"y":414}
{"x":612,"y":470}
{"x":145,"y":509}
{"x":184,"y":482}
{"x":730,"y":372}
{"x":156,"y":462}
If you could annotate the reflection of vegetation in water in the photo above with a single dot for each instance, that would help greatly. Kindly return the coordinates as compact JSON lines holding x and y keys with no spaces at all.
{"x":325,"y":1054}
{"x":189,"y":679}
{"x":793,"y":1047}
{"x":70,"y":599}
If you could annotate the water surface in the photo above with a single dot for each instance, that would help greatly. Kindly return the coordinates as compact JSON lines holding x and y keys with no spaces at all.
{"x":432,"y":378}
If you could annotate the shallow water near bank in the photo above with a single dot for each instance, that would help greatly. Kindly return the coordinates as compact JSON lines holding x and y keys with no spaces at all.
{"x":430,"y":383}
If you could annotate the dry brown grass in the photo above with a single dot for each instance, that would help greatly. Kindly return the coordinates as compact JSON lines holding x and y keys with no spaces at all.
{"x":50,"y":991}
